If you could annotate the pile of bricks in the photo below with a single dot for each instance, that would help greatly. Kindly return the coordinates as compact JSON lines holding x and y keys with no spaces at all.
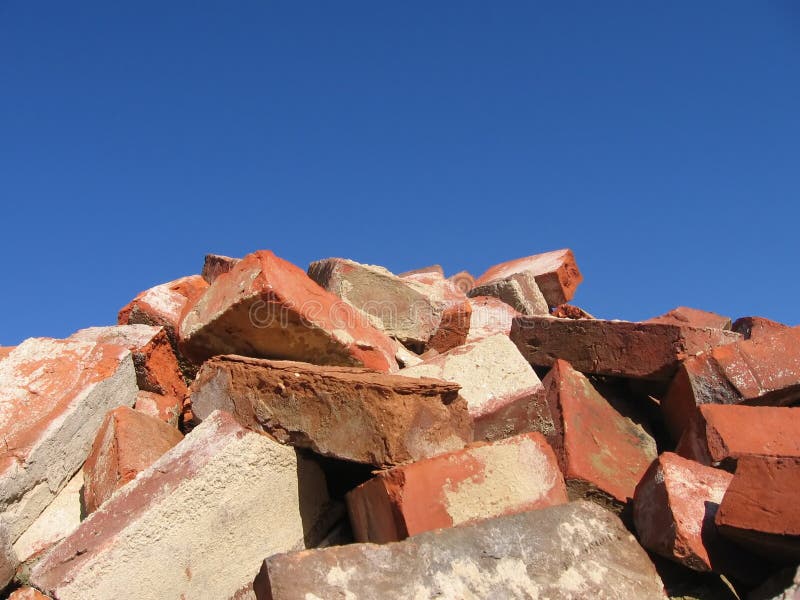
{"x":260,"y":431}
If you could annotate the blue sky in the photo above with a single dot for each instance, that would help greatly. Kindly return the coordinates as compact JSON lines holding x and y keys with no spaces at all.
{"x":658,"y":140}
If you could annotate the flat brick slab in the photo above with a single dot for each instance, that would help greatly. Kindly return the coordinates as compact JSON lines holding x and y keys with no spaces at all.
{"x":499,"y":385}
{"x":571,"y":551}
{"x":721,"y":434}
{"x":196,"y":523}
{"x":345,"y":412}
{"x":268,"y":307}
{"x":620,"y":348}
{"x":683,"y":315}
{"x":483,"y":481}
{"x":54,"y":394}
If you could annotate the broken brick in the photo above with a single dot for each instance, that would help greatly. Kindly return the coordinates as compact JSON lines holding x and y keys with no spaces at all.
{"x":127,"y":443}
{"x":215,"y":265}
{"x":485,"y":480}
{"x":268,"y":307}
{"x":164,"y":408}
{"x":756,"y":327}
{"x":344,"y":412}
{"x":683,"y":315}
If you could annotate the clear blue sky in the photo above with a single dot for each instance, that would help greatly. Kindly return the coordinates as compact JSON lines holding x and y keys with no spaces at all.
{"x":659,"y":140}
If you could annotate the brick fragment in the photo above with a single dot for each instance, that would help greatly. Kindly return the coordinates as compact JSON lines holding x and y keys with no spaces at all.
{"x":215,"y":265}
{"x":8,"y":557}
{"x":224,"y":496}
{"x":568,"y":311}
{"x":157,"y":368}
{"x":344,"y":412}
{"x":500,"y":387}
{"x":602,"y":454}
{"x":650,"y":351}
{"x":407,"y":308}
{"x":61,"y":517}
{"x":268,"y":307}
{"x":27,"y":593}
{"x":482,"y":481}
{"x":683,"y":315}
{"x":574,"y":550}
{"x":453,"y":328}
{"x":720,"y":434}
{"x":164,"y":408}
{"x":127,"y":442}
{"x":54,"y":395}
{"x":673,"y":511}
{"x":556,"y":274}
{"x":760,"y":507}
{"x":518,"y":290}
{"x":762,"y":371}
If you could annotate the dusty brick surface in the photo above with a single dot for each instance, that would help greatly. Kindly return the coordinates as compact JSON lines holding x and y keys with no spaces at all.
{"x":215,"y":265}
{"x":486,"y":480}
{"x":602,"y":454}
{"x":344,"y":412}
{"x":574,"y":550}
{"x":165,"y":408}
{"x":268,"y":307}
{"x":683,"y":315}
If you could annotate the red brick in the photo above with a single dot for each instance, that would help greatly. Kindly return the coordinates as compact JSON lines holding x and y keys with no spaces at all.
{"x":673,"y":511}
{"x":5,"y":351}
{"x":127,"y":443}
{"x":602,"y":454}
{"x":556,"y":274}
{"x":683,"y":315}
{"x":348,"y":413}
{"x":27,"y":593}
{"x":482,"y":481}
{"x":430,"y":270}
{"x":721,"y":434}
{"x":164,"y":305}
{"x":568,"y":311}
{"x":760,"y":508}
{"x":453,"y":328}
{"x":763,"y":371}
{"x":215,"y":265}
{"x":157,"y":367}
{"x":164,"y":408}
{"x":268,"y":307}
{"x":650,"y":351}
{"x":756,"y":327}
{"x":489,"y":316}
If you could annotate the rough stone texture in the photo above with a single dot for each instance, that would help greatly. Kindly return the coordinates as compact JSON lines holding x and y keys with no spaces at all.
{"x":432,"y":269}
{"x":405,"y":357}
{"x":224,"y":497}
{"x":59,"y":519}
{"x":5,"y":351}
{"x":54,"y":396}
{"x":760,"y":508}
{"x":763,"y":370}
{"x":519,"y":291}
{"x":402,"y":307}
{"x":556,"y":274}
{"x":165,"y":408}
{"x":268,"y":307}
{"x":157,"y":367}
{"x":463,"y":281}
{"x":756,"y":327}
{"x":568,"y":311}
{"x":500,"y":387}
{"x":638,"y":350}
{"x":453,"y":328}
{"x":8,"y":557}
{"x":164,"y":305}
{"x":571,"y":551}
{"x":602,"y":454}
{"x":683,"y":315}
{"x":348,"y":413}
{"x":483,"y":481}
{"x":674,"y":508}
{"x":489,"y":316}
{"x":27,"y":593}
{"x":127,"y":443}
{"x":215,"y":265}
{"x":720,"y":434}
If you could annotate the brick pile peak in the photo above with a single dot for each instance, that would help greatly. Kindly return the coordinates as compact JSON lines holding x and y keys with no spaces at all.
{"x":261,"y":431}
